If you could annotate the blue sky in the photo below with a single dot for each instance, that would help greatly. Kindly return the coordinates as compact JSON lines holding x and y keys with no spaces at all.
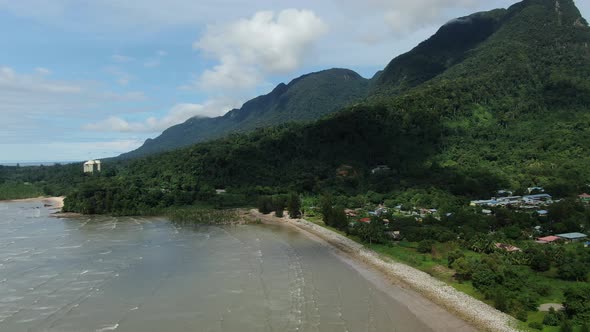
{"x":95,"y":79}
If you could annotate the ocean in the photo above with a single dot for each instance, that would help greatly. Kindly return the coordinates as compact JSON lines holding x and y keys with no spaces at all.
{"x":146,"y":274}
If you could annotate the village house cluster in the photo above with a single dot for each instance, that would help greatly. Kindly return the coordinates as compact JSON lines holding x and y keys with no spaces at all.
{"x":536,"y":197}
{"x":567,"y":237}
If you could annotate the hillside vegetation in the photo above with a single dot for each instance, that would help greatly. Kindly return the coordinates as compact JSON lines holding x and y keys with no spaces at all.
{"x":511,"y":113}
{"x":306,"y":98}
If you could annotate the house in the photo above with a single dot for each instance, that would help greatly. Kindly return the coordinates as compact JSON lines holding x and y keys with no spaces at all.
{"x":220,"y":191}
{"x":587,"y":244}
{"x":542,"y":213}
{"x":573,"y":237}
{"x":380,"y":169}
{"x":395,"y":235}
{"x":379,"y":212}
{"x":548,"y":239}
{"x":535,"y":189}
{"x":537,"y":199}
{"x":509,"y":200}
{"x":503,"y":193}
{"x":489,"y":202}
{"x":585,"y":198}
{"x":92,"y":166}
{"x":507,"y":247}
{"x":350,"y":213}
{"x":486,"y":212}
{"x":365,"y":220}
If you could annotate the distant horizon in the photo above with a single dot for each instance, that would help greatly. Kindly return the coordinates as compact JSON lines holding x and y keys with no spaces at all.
{"x":36,"y":163}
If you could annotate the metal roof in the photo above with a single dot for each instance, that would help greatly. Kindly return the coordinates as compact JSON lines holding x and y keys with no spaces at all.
{"x":572,"y":236}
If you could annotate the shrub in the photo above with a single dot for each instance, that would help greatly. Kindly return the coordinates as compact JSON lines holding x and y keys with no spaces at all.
{"x":425,"y":246}
{"x":501,"y":301}
{"x":265,"y":205}
{"x":536,"y":326}
{"x":294,"y":206}
{"x":566,"y":326}
{"x":453,"y":256}
{"x":551,"y":318}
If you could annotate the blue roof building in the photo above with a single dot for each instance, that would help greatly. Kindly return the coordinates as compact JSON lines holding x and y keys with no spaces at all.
{"x":573,"y":237}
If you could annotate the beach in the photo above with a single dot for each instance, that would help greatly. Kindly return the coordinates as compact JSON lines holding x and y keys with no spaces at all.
{"x":52,"y":202}
{"x":420,"y":286}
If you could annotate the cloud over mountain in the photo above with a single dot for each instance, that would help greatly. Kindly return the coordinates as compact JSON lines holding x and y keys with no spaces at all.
{"x":249,"y":49}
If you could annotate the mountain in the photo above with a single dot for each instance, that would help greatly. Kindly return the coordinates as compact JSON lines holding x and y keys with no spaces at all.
{"x":508,"y":110}
{"x":306,"y":98}
{"x":450,"y":45}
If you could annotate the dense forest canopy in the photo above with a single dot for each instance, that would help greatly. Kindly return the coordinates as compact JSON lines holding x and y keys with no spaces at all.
{"x":306,"y":98}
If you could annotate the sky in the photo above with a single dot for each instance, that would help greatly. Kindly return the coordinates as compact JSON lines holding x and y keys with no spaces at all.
{"x":92,"y":79}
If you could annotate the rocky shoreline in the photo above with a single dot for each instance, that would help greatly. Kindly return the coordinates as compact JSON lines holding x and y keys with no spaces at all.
{"x":475,"y":312}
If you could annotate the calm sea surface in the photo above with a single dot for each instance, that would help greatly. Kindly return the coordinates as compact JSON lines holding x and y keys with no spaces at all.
{"x":135,"y":274}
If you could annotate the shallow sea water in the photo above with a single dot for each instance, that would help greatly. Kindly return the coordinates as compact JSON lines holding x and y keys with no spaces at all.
{"x":139,"y":274}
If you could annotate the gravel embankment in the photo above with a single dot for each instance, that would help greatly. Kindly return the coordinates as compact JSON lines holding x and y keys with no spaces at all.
{"x":473,"y":311}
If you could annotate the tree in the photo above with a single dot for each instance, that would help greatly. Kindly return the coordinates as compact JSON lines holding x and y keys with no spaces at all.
{"x":576,"y":304}
{"x":279,"y":202}
{"x":566,"y":326}
{"x":501,"y":301}
{"x":551,"y":318}
{"x":327,"y":208}
{"x":540,"y":262}
{"x":463,"y":269}
{"x":374,"y":232}
{"x":453,"y":256}
{"x":425,"y":246}
{"x":572,"y":270}
{"x":339,"y":219}
{"x":265,"y":205}
{"x":294,"y":206}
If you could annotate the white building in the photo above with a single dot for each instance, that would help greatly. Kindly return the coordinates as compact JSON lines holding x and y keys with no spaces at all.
{"x":92,"y":166}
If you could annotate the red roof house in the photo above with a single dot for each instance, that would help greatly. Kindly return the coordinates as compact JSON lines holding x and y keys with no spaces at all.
{"x":365,"y":220}
{"x":548,"y":239}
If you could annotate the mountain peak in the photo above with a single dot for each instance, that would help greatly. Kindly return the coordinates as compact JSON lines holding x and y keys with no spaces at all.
{"x":306,"y":98}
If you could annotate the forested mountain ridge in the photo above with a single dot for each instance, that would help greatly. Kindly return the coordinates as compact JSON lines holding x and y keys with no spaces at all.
{"x":512,"y":113}
{"x":450,"y":45}
{"x":306,"y":98}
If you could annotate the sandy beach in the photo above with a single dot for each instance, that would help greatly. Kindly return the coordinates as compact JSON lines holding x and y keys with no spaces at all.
{"x":433,"y":301}
{"x":52,"y":202}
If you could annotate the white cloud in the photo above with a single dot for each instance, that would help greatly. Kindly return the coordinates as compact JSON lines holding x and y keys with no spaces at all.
{"x":67,"y":151}
{"x":152,"y":63}
{"x":121,"y":58}
{"x":176,"y":115}
{"x":34,"y":107}
{"x":43,"y":71}
{"x":156,"y":60}
{"x":121,"y":77}
{"x":408,"y":16}
{"x":250,"y":49}
{"x":10,"y":80}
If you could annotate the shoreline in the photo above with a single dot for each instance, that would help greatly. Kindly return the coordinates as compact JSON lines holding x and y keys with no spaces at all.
{"x":52,"y":203}
{"x":476,"y":314}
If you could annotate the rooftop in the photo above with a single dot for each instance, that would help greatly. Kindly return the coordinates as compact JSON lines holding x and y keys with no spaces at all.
{"x":549,"y":238}
{"x":572,"y":236}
